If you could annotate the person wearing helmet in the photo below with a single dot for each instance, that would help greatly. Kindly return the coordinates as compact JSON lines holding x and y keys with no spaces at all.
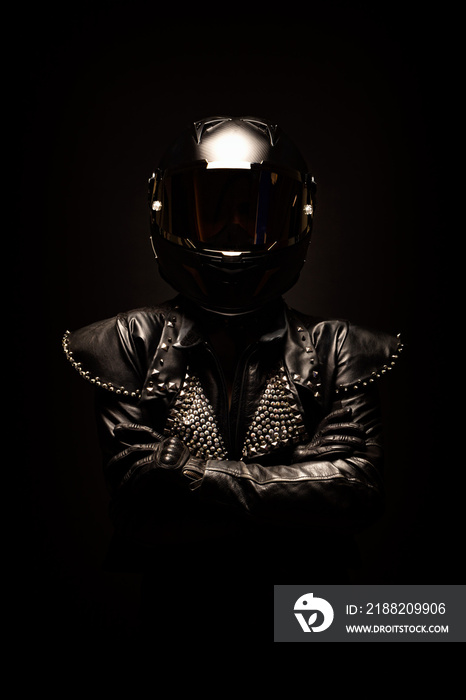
{"x":239,"y":436}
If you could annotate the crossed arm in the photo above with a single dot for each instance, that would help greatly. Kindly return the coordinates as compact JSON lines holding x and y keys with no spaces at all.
{"x":334,"y":479}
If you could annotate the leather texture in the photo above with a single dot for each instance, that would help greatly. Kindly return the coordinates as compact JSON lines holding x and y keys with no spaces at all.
{"x":311,"y":384}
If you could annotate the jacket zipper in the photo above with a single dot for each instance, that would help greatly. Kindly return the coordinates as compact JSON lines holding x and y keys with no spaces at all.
{"x":244,"y":357}
{"x":227,"y":437}
{"x":241,"y":366}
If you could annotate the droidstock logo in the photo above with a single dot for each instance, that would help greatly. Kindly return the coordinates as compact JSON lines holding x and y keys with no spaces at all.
{"x":308,"y":603}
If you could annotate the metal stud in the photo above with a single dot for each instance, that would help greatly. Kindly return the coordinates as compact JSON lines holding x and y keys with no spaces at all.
{"x":192,"y":420}
{"x":366,"y":381}
{"x":97,"y":381}
{"x":277,"y":420}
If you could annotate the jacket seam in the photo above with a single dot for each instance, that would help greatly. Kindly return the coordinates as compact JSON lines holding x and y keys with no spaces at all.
{"x":289,"y":480}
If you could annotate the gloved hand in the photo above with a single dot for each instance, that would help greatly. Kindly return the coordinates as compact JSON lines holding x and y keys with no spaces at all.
{"x":335,"y":436}
{"x":147,"y":451}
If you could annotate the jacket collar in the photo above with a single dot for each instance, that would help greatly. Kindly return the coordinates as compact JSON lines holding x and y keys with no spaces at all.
{"x":184,"y":330}
{"x":276,"y":322}
{"x":272,"y":321}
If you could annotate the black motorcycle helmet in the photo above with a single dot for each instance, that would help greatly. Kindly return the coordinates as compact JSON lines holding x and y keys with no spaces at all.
{"x":231,"y":210}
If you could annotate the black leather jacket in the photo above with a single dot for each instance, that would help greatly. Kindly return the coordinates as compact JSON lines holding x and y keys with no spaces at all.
{"x":154,"y":367}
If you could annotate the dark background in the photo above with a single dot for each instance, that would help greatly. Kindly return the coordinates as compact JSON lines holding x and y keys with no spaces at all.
{"x":97,"y":95}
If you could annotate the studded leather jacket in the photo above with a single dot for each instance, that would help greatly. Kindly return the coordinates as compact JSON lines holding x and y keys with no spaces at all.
{"x":155,"y":367}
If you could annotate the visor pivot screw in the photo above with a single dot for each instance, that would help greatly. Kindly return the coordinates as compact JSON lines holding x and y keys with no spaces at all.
{"x":156,"y":205}
{"x":307,"y":209}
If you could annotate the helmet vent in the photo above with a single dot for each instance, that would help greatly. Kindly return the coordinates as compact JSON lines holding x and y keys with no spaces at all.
{"x":207,"y":124}
{"x":266,"y":128}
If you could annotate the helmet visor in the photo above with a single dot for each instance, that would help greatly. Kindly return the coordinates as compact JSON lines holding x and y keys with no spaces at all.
{"x":225,"y":209}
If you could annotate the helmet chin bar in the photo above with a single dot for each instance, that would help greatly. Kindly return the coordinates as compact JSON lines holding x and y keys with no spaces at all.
{"x":229,"y":284}
{"x":232,"y":254}
{"x":229,"y":314}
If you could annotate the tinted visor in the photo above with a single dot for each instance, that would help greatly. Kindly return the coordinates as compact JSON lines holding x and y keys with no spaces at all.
{"x":233,"y":209}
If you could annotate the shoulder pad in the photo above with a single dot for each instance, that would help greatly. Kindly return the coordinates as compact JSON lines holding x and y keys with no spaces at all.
{"x":365,"y":355}
{"x":112,"y":353}
{"x":329,"y":356}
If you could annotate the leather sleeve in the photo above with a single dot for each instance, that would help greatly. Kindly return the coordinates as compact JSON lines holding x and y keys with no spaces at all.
{"x":111,"y":412}
{"x":113,"y":355}
{"x":331,"y":491}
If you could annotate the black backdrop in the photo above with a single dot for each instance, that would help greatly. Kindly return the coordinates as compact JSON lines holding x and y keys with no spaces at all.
{"x":98,"y":94}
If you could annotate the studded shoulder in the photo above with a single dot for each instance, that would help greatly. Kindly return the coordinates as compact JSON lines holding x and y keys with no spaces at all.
{"x":365,"y":356}
{"x":335,"y":357}
{"x":93,"y":378}
{"x":111,"y":354}
{"x":375,"y":374}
